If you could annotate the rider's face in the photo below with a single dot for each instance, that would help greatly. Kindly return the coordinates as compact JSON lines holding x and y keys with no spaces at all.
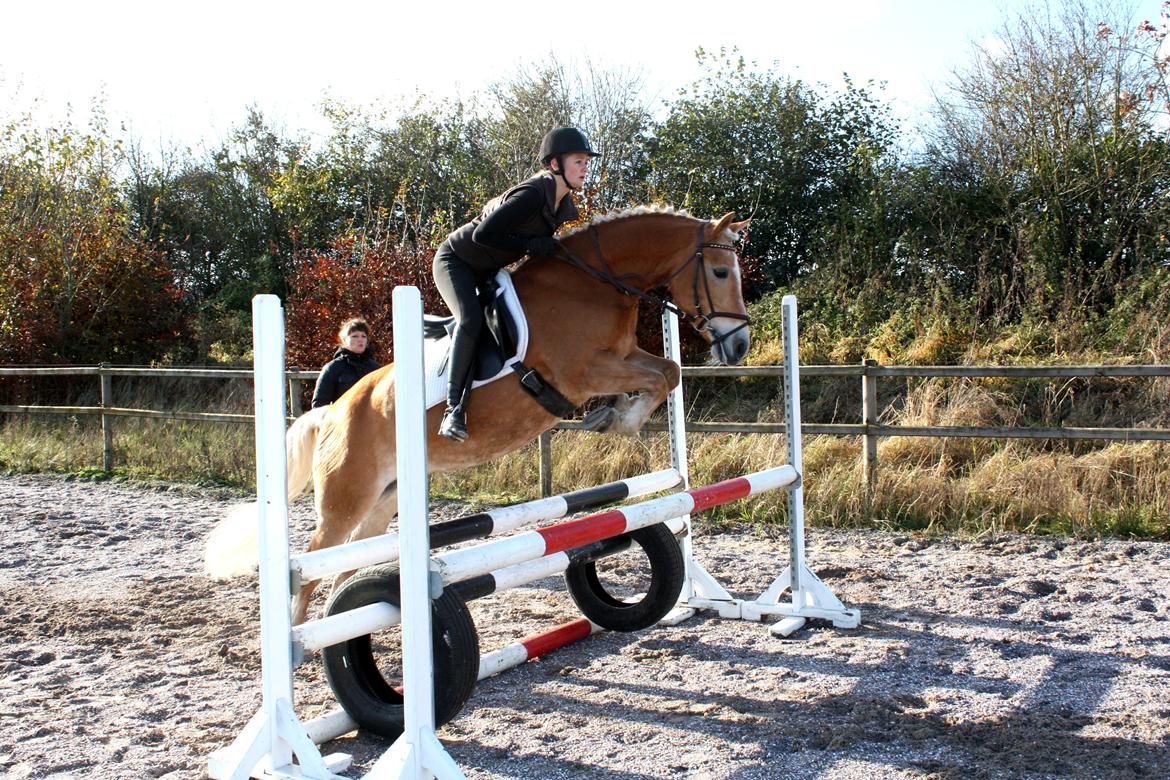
{"x":576,"y":168}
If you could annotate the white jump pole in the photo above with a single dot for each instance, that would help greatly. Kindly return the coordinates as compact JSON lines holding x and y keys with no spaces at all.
{"x":417,"y":753}
{"x":676,"y":424}
{"x":266,"y":746}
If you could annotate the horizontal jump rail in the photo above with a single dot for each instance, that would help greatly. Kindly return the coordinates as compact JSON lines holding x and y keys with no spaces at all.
{"x":534,"y":646}
{"x":464,"y":564}
{"x":338,"y":723}
{"x":384,"y":548}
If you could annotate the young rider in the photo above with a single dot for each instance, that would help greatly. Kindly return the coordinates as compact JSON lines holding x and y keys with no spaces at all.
{"x":520,"y":221}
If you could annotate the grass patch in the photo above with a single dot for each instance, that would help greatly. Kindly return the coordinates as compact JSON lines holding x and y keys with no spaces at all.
{"x":928,"y":486}
{"x":206,"y":454}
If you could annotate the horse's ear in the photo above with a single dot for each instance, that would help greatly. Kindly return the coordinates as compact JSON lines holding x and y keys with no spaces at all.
{"x":723,"y":222}
{"x":739,"y":227}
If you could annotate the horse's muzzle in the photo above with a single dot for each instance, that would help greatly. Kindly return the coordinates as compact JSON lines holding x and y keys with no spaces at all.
{"x":730,"y":350}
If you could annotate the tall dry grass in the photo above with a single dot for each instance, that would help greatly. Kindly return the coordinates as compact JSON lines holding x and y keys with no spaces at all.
{"x":954,"y":485}
{"x":195,"y":452}
{"x":198,"y":453}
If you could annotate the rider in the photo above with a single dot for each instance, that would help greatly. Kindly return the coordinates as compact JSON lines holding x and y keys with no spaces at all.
{"x":520,"y":221}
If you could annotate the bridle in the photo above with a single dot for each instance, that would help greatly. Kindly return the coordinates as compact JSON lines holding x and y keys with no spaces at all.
{"x":700,"y":321}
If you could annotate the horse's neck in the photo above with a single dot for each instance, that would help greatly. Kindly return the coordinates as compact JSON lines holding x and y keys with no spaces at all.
{"x":643,"y":251}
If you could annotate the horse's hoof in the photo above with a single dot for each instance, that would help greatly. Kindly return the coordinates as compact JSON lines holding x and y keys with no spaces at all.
{"x":600,"y":419}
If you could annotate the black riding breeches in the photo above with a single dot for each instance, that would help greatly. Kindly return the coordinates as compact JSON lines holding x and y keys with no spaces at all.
{"x":458,"y":284}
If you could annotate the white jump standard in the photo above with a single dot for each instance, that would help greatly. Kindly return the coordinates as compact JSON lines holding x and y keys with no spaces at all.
{"x":810,"y":598}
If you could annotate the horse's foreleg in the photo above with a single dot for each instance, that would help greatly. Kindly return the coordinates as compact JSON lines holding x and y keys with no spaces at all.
{"x":642,"y":379}
{"x":632,"y":412}
{"x":345,"y":501}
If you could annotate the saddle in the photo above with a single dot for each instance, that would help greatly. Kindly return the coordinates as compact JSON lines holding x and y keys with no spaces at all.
{"x":503,"y":344}
{"x":497,"y":342}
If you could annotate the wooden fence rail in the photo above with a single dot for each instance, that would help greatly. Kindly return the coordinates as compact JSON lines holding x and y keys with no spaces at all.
{"x":868,"y":372}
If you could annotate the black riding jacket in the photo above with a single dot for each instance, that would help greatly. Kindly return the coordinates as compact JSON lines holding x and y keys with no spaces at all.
{"x":340,"y":374}
{"x":499,"y":235}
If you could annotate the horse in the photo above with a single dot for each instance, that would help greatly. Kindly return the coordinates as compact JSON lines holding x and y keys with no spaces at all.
{"x":582,"y":310}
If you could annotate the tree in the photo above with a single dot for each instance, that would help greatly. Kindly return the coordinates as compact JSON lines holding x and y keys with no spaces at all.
{"x":353,"y":278}
{"x":606,"y":104}
{"x":1056,"y":129}
{"x":764,"y":145}
{"x":215,"y":220}
{"x":79,"y":284}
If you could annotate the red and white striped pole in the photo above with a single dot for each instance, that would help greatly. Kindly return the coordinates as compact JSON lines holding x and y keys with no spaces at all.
{"x":383,"y":548}
{"x":534,"y":646}
{"x":542,"y":546}
{"x":463,"y":564}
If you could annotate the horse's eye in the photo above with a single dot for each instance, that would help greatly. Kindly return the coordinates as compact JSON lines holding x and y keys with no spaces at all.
{"x":720,"y":273}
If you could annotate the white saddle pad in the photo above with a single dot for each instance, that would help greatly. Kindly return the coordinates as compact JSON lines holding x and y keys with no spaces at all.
{"x":436,"y":350}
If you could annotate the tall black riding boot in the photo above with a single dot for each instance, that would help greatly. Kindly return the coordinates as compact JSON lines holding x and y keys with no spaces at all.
{"x":454,"y":425}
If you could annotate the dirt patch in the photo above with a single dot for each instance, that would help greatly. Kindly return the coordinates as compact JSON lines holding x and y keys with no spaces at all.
{"x":1016,"y":657}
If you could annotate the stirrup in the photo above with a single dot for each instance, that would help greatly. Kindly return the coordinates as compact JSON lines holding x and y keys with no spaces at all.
{"x":454,"y":425}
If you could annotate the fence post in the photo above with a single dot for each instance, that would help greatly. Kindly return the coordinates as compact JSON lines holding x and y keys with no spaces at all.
{"x":107,"y":397}
{"x":546,"y":464}
{"x":869,"y":441}
{"x":294,"y":394}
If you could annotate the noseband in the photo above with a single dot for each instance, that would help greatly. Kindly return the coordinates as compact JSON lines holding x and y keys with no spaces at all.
{"x":700,"y":321}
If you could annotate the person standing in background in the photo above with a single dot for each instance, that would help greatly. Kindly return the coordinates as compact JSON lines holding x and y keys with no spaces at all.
{"x":350,"y":363}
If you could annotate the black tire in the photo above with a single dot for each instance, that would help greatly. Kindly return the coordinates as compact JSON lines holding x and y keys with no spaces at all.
{"x":667,"y":572}
{"x":363,"y":676}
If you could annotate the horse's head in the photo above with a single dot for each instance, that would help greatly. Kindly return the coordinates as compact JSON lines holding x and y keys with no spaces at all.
{"x":710,"y":289}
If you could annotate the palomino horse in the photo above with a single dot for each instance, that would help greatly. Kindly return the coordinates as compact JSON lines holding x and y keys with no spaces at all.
{"x":582,"y":311}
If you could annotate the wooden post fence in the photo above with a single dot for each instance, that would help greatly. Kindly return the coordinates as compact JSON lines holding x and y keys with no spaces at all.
{"x":869,"y":414}
{"x":868,"y":429}
{"x":107,"y":401}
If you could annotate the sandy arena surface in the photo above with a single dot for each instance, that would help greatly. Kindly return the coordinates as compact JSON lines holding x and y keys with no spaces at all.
{"x":1013,"y":657}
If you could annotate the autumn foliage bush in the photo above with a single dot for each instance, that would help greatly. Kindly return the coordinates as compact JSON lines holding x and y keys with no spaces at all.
{"x":79,"y":283}
{"x":353,"y":278}
{"x":110,"y":299}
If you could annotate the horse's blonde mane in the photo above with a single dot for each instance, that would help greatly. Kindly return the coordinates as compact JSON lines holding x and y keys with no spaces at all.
{"x":633,"y":211}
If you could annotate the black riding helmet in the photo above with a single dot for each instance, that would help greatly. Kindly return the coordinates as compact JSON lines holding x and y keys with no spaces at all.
{"x":562,"y":141}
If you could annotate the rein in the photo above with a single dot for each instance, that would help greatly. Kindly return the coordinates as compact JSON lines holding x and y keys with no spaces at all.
{"x":700,"y":321}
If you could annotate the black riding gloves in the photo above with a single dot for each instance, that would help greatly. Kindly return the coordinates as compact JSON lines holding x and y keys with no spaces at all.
{"x":543,"y":245}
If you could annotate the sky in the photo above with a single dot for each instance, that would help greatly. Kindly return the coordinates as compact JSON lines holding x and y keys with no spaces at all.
{"x":183,"y":73}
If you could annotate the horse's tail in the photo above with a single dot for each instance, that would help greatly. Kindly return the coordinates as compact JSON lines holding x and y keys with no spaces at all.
{"x":299,"y":443}
{"x":233,"y":546}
